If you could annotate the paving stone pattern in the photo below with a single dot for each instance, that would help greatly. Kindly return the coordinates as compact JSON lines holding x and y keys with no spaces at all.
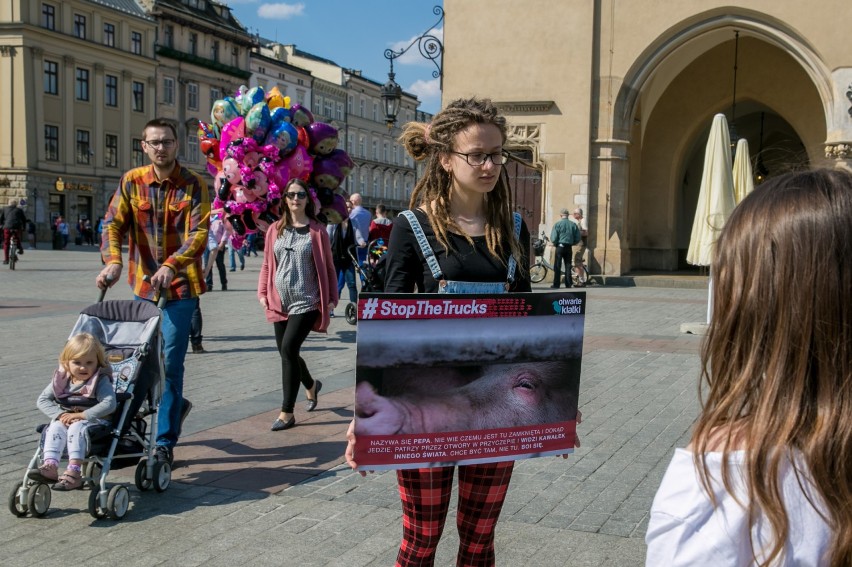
{"x":244,"y":495}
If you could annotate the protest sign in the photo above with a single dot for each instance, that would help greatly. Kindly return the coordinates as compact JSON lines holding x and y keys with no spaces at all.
{"x":461,"y":379}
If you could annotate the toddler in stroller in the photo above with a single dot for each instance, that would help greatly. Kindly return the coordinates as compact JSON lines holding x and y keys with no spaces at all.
{"x":79,"y":395}
{"x":371,"y":272}
{"x":109,"y":367}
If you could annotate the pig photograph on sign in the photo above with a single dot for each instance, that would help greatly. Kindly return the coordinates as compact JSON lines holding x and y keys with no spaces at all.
{"x":469,"y":379}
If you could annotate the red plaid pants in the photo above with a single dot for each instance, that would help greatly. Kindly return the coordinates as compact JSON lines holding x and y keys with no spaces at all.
{"x":425,"y":497}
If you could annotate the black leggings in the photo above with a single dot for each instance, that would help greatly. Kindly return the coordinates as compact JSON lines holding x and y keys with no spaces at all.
{"x":289,"y":336}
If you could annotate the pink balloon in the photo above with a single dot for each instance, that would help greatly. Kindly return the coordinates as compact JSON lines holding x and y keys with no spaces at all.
{"x":233,"y":130}
{"x":299,"y":164}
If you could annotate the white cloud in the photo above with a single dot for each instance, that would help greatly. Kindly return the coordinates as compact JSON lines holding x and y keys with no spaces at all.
{"x":280,"y":11}
{"x":429,"y":92}
{"x":413,"y":55}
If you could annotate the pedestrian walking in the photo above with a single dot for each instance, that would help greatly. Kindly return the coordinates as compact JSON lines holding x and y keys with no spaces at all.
{"x":164,"y":208}
{"x":297,"y":289}
{"x":463,"y":206}
{"x":767,"y":477}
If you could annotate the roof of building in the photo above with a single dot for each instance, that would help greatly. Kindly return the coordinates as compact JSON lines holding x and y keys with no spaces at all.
{"x":216,"y":13}
{"x":131,"y":7}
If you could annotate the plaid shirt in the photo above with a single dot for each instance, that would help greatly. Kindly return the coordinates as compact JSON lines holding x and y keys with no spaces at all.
{"x":167,"y":225}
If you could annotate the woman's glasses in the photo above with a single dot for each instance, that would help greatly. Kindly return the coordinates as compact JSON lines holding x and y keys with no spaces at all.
{"x":296,"y":195}
{"x":479,"y":159}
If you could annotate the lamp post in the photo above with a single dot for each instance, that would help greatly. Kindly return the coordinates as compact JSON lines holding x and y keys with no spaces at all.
{"x":431,"y":48}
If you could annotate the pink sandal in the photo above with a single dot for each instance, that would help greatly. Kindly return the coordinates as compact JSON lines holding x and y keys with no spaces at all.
{"x":45,"y":473}
{"x":70,"y":480}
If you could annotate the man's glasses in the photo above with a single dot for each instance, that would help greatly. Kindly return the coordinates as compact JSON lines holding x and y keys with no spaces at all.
{"x":157,"y":144}
{"x":296,"y":195}
{"x":479,"y":159}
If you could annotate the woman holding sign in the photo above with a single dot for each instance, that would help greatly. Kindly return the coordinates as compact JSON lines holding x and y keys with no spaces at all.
{"x":462,"y":220}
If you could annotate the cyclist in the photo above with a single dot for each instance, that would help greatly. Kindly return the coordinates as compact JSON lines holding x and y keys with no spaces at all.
{"x":13,"y":220}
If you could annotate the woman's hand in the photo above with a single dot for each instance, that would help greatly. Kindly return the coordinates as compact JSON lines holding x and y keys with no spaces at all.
{"x":263,"y":302}
{"x":350,"y":448}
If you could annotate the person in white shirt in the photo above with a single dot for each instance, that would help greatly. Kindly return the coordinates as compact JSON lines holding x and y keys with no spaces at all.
{"x":767,"y":477}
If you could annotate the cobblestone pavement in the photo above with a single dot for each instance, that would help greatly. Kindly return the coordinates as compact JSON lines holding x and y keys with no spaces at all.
{"x":244,"y":495}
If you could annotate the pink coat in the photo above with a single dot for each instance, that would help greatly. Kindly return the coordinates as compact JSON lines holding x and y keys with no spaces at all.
{"x":326,"y":275}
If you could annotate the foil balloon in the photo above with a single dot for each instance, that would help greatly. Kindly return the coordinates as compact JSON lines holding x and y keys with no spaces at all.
{"x":285,"y":137}
{"x":258,"y":121}
{"x":326,"y":173}
{"x":275,"y":99}
{"x":322,"y":138}
{"x":336,"y":212}
{"x":300,"y":116}
{"x":299,"y":163}
{"x":224,"y":110}
{"x":233,"y":130}
{"x":342,"y":159}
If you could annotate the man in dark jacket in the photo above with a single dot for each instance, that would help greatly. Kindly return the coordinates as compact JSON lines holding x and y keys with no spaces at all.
{"x":13,"y":220}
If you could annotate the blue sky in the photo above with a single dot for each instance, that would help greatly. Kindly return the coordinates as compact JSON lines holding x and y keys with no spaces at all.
{"x":353,"y":34}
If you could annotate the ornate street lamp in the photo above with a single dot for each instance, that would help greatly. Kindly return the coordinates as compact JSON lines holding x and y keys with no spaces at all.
{"x":431,"y":48}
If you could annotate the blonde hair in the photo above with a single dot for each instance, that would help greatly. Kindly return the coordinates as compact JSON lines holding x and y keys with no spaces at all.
{"x":79,"y":346}
{"x":777,"y":359}
{"x":432,"y":193}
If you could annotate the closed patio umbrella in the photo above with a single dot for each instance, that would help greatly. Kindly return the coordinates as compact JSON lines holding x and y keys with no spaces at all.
{"x":743,"y":176}
{"x":715,"y":195}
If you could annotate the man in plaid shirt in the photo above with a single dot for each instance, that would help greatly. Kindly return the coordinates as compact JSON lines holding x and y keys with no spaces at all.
{"x":164,"y":209}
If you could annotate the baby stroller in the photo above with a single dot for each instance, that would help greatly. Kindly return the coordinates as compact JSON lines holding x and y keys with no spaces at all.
{"x":130,"y":333}
{"x":371,"y":272}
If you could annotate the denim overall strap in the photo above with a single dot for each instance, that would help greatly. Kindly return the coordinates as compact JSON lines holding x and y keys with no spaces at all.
{"x":512,"y":263}
{"x":424,"y":245}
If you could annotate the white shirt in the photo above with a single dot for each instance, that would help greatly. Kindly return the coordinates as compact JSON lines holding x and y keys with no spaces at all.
{"x":685,"y":529}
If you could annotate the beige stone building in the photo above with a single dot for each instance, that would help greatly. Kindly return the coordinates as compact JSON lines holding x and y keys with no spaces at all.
{"x":76,"y":85}
{"x":202,"y":56}
{"x":613,"y":101}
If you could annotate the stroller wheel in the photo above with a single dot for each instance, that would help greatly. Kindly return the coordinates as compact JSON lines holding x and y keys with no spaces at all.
{"x":17,"y":507}
{"x":162,"y":476}
{"x":118,"y":501}
{"x":94,"y":506}
{"x":143,"y":483}
{"x":351,"y":313}
{"x":39,"y":499}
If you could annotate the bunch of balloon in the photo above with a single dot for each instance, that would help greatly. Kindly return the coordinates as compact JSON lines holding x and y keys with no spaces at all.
{"x":255,"y":143}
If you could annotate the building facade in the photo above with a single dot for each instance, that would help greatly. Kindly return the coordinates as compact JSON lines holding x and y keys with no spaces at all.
{"x":383,"y":172}
{"x":202,"y":56}
{"x":614,"y":99}
{"x":76,"y":85}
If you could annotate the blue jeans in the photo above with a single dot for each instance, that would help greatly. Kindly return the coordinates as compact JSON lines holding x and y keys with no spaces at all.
{"x":240,"y":254}
{"x":347,"y":276}
{"x":175,"y":326}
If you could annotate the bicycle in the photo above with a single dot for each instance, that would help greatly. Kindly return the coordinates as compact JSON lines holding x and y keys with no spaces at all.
{"x":538,"y":271}
{"x":13,"y":250}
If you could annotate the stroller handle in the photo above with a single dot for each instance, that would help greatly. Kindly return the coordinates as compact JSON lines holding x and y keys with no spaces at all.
{"x":102,"y":294}
{"x":159,"y":298}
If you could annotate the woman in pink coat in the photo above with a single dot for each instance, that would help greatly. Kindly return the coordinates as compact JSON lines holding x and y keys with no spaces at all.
{"x":298,"y":290}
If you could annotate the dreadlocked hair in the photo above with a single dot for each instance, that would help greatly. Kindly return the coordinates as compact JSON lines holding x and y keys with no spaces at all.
{"x":432,"y":193}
